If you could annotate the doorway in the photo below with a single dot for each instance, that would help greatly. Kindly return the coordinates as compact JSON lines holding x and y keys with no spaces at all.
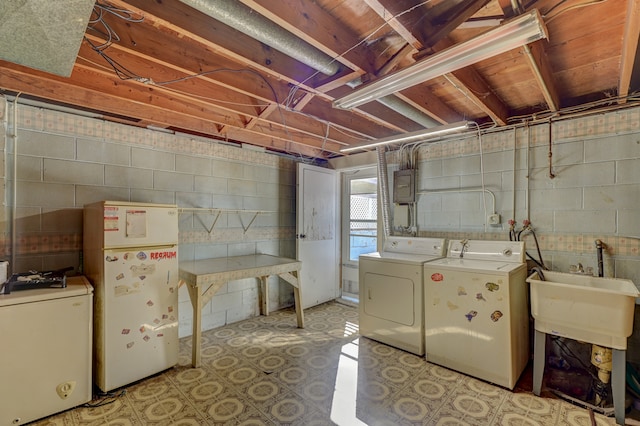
{"x":359,"y":225}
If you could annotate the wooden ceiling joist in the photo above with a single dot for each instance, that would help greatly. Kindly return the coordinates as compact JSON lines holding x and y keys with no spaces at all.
{"x":629,"y":47}
{"x":542,"y":73}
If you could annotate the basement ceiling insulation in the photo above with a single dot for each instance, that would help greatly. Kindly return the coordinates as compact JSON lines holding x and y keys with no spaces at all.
{"x":45,"y":35}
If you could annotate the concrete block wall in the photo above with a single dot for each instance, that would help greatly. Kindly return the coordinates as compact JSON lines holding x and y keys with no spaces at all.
{"x":65,"y":161}
{"x":594,"y":192}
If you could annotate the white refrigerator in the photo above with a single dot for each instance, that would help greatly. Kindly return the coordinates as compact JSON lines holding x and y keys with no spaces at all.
{"x":131,"y":256}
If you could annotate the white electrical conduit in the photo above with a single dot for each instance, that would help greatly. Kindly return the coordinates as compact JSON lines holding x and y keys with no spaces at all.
{"x":484,"y":200}
{"x":515,"y":149}
{"x":14,"y":183}
{"x":441,"y":191}
{"x":527,"y":198}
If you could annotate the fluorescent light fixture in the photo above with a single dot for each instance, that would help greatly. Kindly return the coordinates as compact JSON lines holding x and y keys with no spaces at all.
{"x":517,"y":32}
{"x":460,"y":126}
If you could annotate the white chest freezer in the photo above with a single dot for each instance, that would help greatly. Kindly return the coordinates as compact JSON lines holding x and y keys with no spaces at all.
{"x":46,"y":351}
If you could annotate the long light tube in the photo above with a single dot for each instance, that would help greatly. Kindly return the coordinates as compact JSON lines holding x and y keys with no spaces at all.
{"x":517,"y":32}
{"x":412,"y":137}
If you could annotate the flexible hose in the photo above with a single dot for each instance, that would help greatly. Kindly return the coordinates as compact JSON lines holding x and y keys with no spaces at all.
{"x":384,"y":190}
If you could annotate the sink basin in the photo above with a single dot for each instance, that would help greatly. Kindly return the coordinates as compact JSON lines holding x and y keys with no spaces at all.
{"x":582,"y":307}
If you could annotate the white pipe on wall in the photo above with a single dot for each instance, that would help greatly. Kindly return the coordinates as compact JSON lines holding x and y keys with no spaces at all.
{"x":14,"y":184}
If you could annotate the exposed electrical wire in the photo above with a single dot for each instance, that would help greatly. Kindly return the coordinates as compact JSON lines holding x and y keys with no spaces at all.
{"x":190,"y":95}
{"x":98,"y":24}
{"x":124,"y":73}
{"x":105,"y":399}
{"x":367,"y":37}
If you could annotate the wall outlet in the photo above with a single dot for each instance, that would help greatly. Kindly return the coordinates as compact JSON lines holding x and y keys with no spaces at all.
{"x":494,"y":219}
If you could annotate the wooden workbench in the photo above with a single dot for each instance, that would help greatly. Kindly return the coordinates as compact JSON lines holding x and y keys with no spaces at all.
{"x":205,"y":277}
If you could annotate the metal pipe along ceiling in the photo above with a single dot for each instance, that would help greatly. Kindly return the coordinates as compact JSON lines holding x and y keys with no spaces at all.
{"x":414,"y":114}
{"x":236,"y":15}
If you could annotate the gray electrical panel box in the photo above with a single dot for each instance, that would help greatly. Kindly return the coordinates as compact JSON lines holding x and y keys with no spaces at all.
{"x":404,"y":191}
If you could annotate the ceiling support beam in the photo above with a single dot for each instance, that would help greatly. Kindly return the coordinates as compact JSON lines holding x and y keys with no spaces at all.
{"x":465,"y":80}
{"x":389,"y":18}
{"x":539,"y":65}
{"x":471,"y":84}
{"x":175,"y":16}
{"x":629,"y":48}
{"x":151,"y":106}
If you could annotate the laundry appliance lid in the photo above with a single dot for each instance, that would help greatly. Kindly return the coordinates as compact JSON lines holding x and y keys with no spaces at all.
{"x":410,"y":258}
{"x":475,"y":265}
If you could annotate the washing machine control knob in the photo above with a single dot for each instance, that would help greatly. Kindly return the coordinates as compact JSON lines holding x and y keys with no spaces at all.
{"x":507,"y":252}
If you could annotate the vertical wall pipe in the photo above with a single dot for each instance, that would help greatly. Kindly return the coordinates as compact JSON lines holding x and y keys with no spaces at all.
{"x":515,"y":166}
{"x":550,"y":154}
{"x":383,"y":184}
{"x":14,"y":185}
{"x":527,"y":162}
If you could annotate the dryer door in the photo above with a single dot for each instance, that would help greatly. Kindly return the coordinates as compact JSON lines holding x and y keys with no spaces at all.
{"x":389,"y":297}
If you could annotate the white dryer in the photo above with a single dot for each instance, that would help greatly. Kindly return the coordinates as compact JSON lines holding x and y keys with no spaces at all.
{"x":391,"y":291}
{"x":476,"y":310}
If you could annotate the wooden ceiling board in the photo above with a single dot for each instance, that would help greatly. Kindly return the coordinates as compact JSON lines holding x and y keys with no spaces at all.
{"x":511,"y":78}
{"x":370,"y":30}
{"x":581,"y":81}
{"x":460,"y":107}
{"x":209,"y":45}
{"x":311,"y":23}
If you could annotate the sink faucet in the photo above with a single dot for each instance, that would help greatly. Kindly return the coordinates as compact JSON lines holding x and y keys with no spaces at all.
{"x":576,"y":269}
{"x":580,"y":270}
{"x":465,"y":244}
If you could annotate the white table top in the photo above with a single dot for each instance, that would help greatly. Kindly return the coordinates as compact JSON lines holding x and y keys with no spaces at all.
{"x":224,"y":269}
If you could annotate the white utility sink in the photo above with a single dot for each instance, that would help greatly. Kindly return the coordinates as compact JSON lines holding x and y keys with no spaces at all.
{"x":582,"y":307}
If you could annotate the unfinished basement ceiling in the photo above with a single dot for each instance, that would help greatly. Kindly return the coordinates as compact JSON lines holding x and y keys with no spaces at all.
{"x":199,"y":67}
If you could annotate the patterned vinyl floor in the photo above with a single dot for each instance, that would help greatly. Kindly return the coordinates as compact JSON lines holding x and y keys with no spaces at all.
{"x":265,"y":371}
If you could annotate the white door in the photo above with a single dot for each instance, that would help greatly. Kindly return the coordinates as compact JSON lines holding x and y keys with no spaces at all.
{"x":359,"y":224}
{"x":317,"y":234}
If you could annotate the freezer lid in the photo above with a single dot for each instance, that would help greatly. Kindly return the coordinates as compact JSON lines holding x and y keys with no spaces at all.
{"x":76,"y":286}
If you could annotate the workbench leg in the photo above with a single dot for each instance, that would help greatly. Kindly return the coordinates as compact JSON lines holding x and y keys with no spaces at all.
{"x":618,"y":388}
{"x":264,"y":295}
{"x":540,"y":340}
{"x":297,"y":296}
{"x":196,"y":335}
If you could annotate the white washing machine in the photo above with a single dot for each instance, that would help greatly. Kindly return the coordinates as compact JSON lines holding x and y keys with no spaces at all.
{"x":476,"y":310}
{"x":391,"y":291}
